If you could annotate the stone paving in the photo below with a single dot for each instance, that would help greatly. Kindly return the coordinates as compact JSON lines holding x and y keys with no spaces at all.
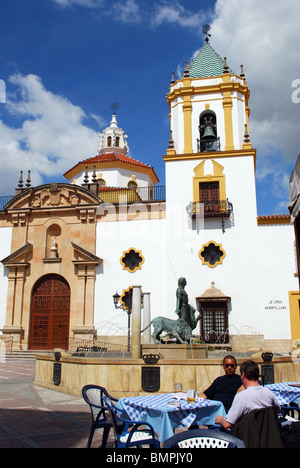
{"x":34,"y":417}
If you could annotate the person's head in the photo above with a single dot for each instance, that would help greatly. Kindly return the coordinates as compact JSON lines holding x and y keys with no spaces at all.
{"x":229,"y":365}
{"x":250,"y":371}
{"x":182,"y":282}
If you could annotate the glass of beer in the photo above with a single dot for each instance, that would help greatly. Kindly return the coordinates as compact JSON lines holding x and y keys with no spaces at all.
{"x":177,"y":387}
{"x":190,"y":396}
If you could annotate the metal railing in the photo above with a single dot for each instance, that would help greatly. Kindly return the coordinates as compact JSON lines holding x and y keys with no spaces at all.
{"x":132,"y":195}
{"x":205,"y":146}
{"x":211,"y":209}
{"x":90,"y":346}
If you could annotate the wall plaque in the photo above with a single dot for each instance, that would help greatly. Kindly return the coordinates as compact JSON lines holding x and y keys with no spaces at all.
{"x":267,"y":371}
{"x":151,"y":379}
{"x":57,"y":373}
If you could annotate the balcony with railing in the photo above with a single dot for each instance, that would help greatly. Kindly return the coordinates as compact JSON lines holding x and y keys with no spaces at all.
{"x":211,"y":209}
{"x":116,"y":195}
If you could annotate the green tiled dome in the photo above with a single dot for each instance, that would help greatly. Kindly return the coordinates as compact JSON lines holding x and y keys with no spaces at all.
{"x":207,"y":63}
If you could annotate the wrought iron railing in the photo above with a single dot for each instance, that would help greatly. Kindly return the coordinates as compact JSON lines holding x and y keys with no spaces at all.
{"x":90,"y":346}
{"x":155,"y":193}
{"x":212,"y":209}
{"x":204,"y":146}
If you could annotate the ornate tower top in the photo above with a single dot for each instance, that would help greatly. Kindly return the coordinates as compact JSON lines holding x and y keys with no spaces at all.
{"x":113,"y":138}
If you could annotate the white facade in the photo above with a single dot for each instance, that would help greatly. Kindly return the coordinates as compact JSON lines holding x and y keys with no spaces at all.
{"x":250,"y":260}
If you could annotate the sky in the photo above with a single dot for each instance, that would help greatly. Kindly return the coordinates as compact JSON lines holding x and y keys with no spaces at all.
{"x":64,"y":62}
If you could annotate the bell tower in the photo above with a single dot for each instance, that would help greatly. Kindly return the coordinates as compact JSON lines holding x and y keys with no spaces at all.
{"x":209,"y":107}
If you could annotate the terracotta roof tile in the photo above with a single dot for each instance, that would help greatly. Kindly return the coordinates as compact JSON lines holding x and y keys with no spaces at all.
{"x":110,"y":157}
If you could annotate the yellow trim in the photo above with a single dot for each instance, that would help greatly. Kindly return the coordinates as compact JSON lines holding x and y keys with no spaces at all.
{"x":274,"y":219}
{"x":227,"y":106}
{"x":220,"y":262}
{"x":122,"y":295}
{"x":210,"y":155}
{"x":224,"y":86}
{"x":139,"y":267}
{"x":294,"y":298}
{"x":217,"y":176}
{"x":187,"y":122}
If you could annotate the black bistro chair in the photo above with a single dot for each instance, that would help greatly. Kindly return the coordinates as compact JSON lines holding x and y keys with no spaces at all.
{"x":127,"y":432}
{"x":93,"y":396}
{"x":203,"y":438}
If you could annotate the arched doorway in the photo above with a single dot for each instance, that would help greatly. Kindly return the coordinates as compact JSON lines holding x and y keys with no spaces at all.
{"x":50,"y":313}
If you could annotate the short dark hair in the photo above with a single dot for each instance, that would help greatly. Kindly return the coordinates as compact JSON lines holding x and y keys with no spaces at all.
{"x":250,"y":369}
{"x":229,"y":357}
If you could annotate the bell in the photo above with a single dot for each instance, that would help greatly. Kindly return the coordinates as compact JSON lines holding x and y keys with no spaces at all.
{"x":208,"y":133}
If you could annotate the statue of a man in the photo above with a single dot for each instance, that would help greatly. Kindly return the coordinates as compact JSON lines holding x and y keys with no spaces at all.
{"x":182,"y":304}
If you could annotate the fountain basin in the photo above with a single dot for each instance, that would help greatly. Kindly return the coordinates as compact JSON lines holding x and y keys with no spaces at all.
{"x":123,"y":377}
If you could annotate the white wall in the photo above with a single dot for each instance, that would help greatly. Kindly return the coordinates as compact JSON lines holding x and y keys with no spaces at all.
{"x":114,"y":238}
{"x":277,"y":274}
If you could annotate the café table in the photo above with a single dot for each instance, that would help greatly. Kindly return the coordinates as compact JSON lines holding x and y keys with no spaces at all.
{"x":165,"y":413}
{"x":286,"y":392}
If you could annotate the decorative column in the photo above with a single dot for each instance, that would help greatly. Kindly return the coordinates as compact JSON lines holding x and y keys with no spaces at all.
{"x":226,"y":87}
{"x":146,"y":318}
{"x":136,"y":322}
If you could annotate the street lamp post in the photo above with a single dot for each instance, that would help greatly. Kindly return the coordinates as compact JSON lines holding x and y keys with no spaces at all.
{"x":127,"y":306}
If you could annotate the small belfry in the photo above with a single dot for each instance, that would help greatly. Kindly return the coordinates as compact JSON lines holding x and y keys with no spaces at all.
{"x":113,"y":138}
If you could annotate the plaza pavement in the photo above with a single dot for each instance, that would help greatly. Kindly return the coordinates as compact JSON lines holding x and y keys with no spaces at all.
{"x":34,"y":417}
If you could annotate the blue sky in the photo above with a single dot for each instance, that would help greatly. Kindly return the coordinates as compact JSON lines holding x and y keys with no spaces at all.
{"x":65,"y":61}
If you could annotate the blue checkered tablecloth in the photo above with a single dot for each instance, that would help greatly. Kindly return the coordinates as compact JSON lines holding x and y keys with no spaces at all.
{"x":164,"y":416}
{"x":285,"y":392}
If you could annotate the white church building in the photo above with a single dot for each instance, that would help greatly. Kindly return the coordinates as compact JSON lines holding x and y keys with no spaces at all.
{"x":113,"y":225}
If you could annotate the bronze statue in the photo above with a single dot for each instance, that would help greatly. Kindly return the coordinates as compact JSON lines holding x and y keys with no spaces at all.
{"x":183,"y":309}
{"x":182,"y":328}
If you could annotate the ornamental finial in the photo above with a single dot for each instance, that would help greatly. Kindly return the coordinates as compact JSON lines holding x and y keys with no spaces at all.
{"x":115,"y":106}
{"x":206,"y":30}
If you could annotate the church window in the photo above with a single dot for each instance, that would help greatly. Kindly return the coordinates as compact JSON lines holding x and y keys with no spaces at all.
{"x":118,"y":142}
{"x":132,"y":260}
{"x":109,"y":141}
{"x":101,"y":183}
{"x":132,"y":185}
{"x":212,"y":254}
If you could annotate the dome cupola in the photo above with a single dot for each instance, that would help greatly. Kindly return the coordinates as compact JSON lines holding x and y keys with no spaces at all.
{"x":113,"y":138}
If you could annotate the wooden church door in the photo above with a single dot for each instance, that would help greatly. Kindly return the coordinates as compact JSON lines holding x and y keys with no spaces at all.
{"x":50,"y":313}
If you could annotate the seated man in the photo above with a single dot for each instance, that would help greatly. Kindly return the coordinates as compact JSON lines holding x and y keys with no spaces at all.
{"x":255,"y":397}
{"x":225,"y":388}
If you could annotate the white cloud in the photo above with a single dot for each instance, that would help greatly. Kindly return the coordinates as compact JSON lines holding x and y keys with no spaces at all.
{"x":174,"y":13}
{"x":51,"y":138}
{"x":84,"y":3}
{"x":265,"y":38}
{"x":127,"y":12}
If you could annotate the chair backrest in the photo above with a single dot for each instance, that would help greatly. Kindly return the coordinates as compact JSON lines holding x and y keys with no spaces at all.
{"x":93,"y":396}
{"x":203,"y":438}
{"x":259,"y":429}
